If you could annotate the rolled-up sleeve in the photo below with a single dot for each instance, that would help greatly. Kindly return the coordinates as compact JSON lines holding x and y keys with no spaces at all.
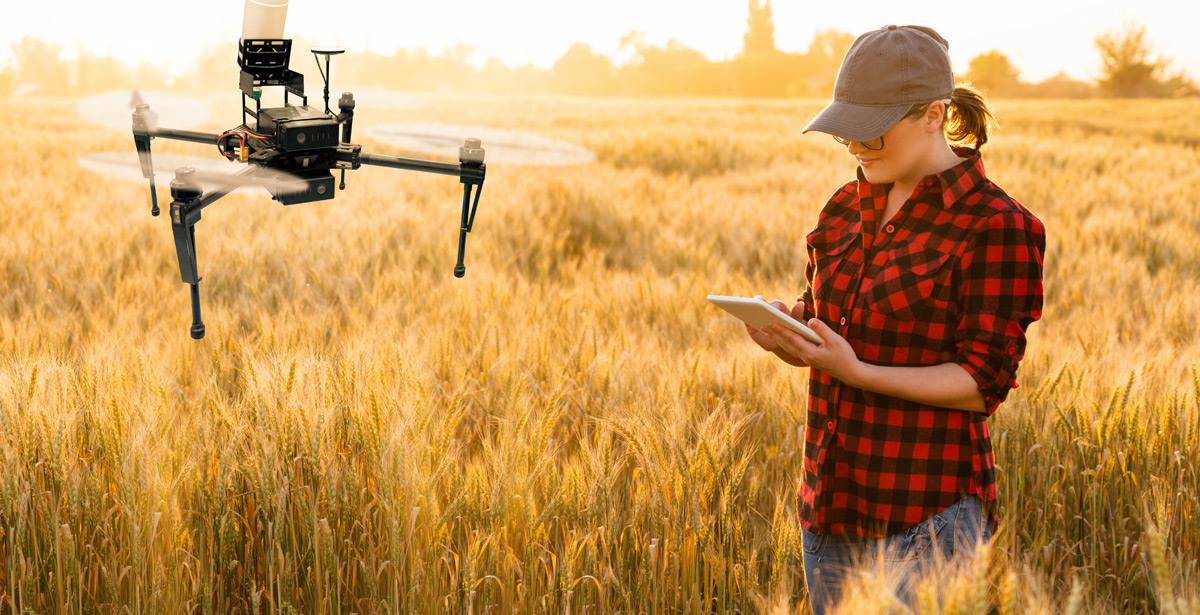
{"x":1000,"y":295}
{"x":807,"y":296}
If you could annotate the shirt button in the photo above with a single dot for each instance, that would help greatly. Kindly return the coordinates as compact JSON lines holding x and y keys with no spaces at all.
{"x":843,"y":320}
{"x":891,"y":229}
{"x":1012,"y":350}
{"x":829,"y":425}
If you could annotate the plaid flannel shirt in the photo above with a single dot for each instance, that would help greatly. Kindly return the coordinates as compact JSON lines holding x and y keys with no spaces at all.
{"x":954,"y":276}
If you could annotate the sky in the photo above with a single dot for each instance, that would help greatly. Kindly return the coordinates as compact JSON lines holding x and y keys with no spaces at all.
{"x":1041,"y":37}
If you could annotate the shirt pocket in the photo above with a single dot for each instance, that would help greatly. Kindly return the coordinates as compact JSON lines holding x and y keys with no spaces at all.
{"x":912,"y":284}
{"x":829,"y":249}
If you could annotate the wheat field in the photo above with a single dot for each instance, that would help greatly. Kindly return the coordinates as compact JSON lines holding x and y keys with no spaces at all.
{"x":570,"y":428}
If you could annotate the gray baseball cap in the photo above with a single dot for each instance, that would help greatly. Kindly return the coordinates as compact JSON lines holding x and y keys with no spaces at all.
{"x":884,"y":73}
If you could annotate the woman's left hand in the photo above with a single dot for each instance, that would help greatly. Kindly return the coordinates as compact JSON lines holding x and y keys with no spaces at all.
{"x":834,"y":356}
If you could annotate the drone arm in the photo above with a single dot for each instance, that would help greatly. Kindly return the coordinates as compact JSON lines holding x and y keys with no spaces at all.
{"x":208,"y":198}
{"x":185,"y":135}
{"x":465,"y":171}
{"x":143,"y":133}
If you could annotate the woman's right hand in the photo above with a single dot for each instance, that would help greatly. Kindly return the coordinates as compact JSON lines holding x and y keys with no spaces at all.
{"x":766,"y":342}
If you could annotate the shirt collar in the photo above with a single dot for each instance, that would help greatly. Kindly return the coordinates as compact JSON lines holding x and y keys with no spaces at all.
{"x":950,"y":184}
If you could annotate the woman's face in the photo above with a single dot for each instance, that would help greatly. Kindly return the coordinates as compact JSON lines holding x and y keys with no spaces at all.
{"x":904,"y":145}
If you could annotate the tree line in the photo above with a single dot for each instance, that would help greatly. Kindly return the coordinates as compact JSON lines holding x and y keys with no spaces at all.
{"x":1129,"y":68}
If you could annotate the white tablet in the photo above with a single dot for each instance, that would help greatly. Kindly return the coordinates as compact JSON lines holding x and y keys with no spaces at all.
{"x":757,"y":313}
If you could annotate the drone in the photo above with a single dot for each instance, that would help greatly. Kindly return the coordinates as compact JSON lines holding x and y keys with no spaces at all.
{"x":290,"y":151}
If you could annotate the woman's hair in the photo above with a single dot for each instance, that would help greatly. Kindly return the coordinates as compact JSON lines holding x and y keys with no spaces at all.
{"x":966,"y":116}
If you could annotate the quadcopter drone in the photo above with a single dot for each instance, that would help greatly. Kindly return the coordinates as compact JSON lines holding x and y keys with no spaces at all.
{"x":290,"y":150}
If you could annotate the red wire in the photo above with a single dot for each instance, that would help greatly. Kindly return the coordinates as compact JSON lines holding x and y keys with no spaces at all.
{"x":241,"y":133}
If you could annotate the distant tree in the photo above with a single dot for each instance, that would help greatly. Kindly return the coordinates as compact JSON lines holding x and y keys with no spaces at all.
{"x":994,"y":74}
{"x":582,"y":71}
{"x":99,"y":73}
{"x":830,"y":43}
{"x":670,"y":70}
{"x":760,"y":30}
{"x":1129,"y":71}
{"x":1179,"y":85}
{"x":821,"y":63}
{"x":1060,"y":85}
{"x":37,"y":64}
{"x":6,"y":81}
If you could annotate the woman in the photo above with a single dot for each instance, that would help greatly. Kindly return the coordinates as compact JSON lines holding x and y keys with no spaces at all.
{"x":923,"y":277}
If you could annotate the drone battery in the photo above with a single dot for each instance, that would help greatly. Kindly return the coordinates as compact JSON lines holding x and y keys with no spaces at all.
{"x":301,"y":135}
{"x":318,"y":187}
{"x":299,"y":128}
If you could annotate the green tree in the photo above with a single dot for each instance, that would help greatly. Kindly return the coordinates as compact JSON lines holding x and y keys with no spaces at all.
{"x":99,"y":73}
{"x":820,"y":65}
{"x":994,"y":74}
{"x":669,"y":70}
{"x":582,"y":71}
{"x":1059,"y":85}
{"x":760,"y":30}
{"x":1128,"y":70}
{"x":37,"y":63}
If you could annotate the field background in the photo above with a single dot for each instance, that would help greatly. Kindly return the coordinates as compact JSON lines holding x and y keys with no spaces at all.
{"x":570,"y":427}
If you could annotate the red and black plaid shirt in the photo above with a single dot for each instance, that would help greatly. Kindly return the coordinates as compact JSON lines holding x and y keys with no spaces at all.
{"x":954,"y":276}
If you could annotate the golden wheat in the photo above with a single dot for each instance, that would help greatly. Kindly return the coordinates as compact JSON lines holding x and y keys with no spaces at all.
{"x":570,"y":428}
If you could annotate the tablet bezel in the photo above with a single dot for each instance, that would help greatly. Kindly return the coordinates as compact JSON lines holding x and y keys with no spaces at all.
{"x":759,"y":306}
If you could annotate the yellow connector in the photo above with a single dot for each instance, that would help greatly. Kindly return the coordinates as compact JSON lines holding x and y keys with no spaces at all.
{"x":243,"y":153}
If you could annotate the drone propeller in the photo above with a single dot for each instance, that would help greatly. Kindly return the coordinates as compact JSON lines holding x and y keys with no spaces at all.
{"x":113,"y":109}
{"x":504,"y":146}
{"x":210,"y":173}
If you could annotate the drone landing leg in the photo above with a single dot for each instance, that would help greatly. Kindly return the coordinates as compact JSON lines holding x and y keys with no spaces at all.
{"x":197,"y":330}
{"x":185,"y":249}
{"x":468,"y":219}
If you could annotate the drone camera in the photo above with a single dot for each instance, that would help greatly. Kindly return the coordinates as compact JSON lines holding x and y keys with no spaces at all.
{"x":313,"y":186}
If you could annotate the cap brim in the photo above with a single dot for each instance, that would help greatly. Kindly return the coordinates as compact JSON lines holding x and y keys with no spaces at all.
{"x":856,"y":122}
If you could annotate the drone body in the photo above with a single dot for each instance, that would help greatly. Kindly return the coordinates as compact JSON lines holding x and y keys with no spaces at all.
{"x":289,"y":150}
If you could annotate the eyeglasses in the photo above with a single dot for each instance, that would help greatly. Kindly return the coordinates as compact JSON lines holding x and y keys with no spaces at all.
{"x":876,"y":144}
{"x":873,"y":144}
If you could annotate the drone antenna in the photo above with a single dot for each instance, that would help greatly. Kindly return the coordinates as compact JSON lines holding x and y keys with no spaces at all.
{"x":325,"y":72}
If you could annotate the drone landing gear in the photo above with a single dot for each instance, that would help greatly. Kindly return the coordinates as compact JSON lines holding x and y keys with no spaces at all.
{"x":185,"y":213}
{"x":468,"y":219}
{"x":188,"y":199}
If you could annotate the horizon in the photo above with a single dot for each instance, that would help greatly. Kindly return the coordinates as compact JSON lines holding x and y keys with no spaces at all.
{"x":716,"y":33}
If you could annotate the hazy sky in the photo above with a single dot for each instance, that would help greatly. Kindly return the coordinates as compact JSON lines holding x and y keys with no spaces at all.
{"x":1040,"y":36}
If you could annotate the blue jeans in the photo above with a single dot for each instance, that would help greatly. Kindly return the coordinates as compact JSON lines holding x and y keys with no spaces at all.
{"x":828,"y":558}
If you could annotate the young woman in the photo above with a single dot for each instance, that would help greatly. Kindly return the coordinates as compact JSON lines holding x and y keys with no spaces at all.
{"x":922,"y":279}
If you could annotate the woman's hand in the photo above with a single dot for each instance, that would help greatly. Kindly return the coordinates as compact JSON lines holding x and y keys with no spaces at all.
{"x":769,"y":343}
{"x":834,"y":356}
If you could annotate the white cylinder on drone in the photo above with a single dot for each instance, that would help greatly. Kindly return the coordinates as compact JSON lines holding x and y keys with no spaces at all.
{"x":264,"y":18}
